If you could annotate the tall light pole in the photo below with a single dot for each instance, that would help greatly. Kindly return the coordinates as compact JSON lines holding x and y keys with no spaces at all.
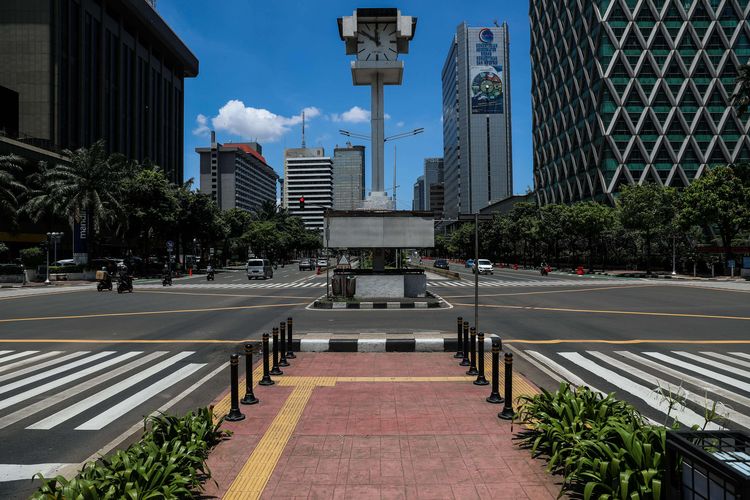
{"x":54,"y":238}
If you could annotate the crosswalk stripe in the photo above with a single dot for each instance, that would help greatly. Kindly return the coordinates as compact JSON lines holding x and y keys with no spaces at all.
{"x":703,"y":371}
{"x":740,"y":354}
{"x":666,"y":385}
{"x":4,"y":403}
{"x":105,"y":394}
{"x":714,"y":364}
{"x":109,"y":415}
{"x":724,"y":357}
{"x":697,"y":382}
{"x":42,"y":366}
{"x":50,"y":401}
{"x":4,"y":352}
{"x":560,"y":370}
{"x":49,"y":373}
{"x":647,"y":395}
{"x":29,"y":360}
{"x":11,"y":357}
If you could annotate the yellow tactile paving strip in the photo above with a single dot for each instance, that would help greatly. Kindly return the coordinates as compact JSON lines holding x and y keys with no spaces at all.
{"x":254,"y":475}
{"x":256,"y":472}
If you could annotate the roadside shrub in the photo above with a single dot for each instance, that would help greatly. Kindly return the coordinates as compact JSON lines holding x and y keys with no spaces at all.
{"x":6,"y":269}
{"x":32,"y":257}
{"x":73,"y":268}
{"x":168,"y":462}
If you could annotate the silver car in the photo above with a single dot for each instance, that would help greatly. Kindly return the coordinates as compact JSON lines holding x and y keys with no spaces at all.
{"x":259,"y":268}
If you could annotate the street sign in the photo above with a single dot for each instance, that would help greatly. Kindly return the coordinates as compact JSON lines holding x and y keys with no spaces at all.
{"x":731,"y":263}
{"x":210,"y":251}
{"x":170,"y":246}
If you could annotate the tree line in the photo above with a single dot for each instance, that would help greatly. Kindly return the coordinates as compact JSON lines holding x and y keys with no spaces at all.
{"x":647,"y":223}
{"x":133,"y":209}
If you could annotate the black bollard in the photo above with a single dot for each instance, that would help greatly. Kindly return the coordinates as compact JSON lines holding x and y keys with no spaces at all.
{"x":465,"y":346}
{"x":266,"y":380}
{"x":234,"y":412}
{"x":249,"y":398}
{"x":472,"y":352}
{"x":494,"y":396}
{"x":289,"y":350}
{"x":481,"y":380}
{"x":459,"y":347}
{"x":275,"y":368}
{"x":508,"y":413}
{"x":282,"y":344}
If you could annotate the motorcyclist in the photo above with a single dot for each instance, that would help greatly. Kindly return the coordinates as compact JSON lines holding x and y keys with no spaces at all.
{"x":107,"y":279}
{"x":123,"y":275}
{"x":166,"y":274}
{"x":209,"y":271}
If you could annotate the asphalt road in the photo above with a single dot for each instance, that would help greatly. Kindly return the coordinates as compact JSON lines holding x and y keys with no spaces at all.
{"x":104,"y":360}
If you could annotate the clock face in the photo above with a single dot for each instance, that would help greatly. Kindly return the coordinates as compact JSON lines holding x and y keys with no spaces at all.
{"x":376,"y":42}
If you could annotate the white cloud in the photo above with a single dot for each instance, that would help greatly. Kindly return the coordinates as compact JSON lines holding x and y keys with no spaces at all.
{"x":252,"y":123}
{"x":202,"y":128}
{"x":355,"y":115}
{"x":400,"y":124}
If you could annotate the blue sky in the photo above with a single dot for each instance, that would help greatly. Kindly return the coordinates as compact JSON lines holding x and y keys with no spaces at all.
{"x":263,"y":62}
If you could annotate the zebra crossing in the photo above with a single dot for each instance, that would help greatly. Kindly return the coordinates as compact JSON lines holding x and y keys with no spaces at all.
{"x":88,"y":390}
{"x":652,"y":380}
{"x":528,"y":283}
{"x":236,"y":286}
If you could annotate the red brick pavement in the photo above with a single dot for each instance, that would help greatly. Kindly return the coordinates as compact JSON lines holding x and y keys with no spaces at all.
{"x":426,"y":440}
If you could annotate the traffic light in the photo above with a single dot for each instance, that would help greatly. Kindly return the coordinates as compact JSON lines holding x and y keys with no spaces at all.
{"x":301,"y":202}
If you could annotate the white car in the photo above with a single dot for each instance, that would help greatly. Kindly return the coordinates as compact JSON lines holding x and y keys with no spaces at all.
{"x":484,"y":266}
{"x":322,"y":263}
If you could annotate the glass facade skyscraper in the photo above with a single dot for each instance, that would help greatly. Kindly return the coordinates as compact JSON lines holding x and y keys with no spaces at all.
{"x":348,"y":177}
{"x":476,"y":120}
{"x":626,"y":92}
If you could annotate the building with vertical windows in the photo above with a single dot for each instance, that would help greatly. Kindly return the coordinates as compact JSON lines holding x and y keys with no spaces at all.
{"x":418,"y":202}
{"x":433,"y":176}
{"x":348,"y":177}
{"x":477,"y":149}
{"x":236,"y":175}
{"x":308,"y":173}
{"x":84,"y":70}
{"x":627,"y":92}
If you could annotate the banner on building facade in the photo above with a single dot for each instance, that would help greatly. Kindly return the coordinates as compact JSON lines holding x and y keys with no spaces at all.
{"x":486,"y":76}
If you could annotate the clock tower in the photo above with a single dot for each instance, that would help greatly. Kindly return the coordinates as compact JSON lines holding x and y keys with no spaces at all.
{"x":376,"y":36}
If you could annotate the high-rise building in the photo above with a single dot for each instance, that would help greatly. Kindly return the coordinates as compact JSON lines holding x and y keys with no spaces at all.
{"x":86,"y":70}
{"x":476,"y":119}
{"x":308,"y":174}
{"x":436,"y":198}
{"x":418,"y":202}
{"x":632,"y":92}
{"x":348,"y":177}
{"x":433,"y":175}
{"x":236,"y":175}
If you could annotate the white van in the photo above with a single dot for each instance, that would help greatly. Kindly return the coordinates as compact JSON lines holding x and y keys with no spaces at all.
{"x":259,"y":268}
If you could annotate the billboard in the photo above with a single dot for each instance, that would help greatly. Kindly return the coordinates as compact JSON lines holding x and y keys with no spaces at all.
{"x":486,"y":75}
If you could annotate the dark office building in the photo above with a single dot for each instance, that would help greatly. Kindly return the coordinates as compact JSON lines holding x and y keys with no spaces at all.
{"x":96,"y":69}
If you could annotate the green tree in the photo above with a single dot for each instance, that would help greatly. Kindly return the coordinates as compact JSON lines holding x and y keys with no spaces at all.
{"x":718,"y":199}
{"x":237,"y":221}
{"x":264,"y":239}
{"x":524,"y":220}
{"x":554,"y":229}
{"x":42,"y":200}
{"x":589,"y":221}
{"x":10,"y":188}
{"x":648,"y":211}
{"x":741,"y":98}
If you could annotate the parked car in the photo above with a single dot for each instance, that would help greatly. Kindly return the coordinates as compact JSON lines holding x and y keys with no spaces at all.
{"x":64,"y":262}
{"x":441,"y":264}
{"x":484,"y":266}
{"x":322,"y":262}
{"x":259,"y":268}
{"x":469,"y":263}
{"x":306,"y":264}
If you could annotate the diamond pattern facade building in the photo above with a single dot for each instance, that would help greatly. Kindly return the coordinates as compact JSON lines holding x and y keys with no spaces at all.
{"x":633,"y":91}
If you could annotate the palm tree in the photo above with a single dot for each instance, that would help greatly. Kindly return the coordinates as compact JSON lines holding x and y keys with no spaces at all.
{"x":87,"y":186}
{"x":41,"y":202}
{"x":10,"y":188}
{"x":741,"y":98}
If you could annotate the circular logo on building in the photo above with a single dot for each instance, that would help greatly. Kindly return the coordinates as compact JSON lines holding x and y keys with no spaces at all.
{"x":486,"y":35}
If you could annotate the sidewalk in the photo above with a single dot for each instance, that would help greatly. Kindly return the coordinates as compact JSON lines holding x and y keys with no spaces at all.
{"x":375,"y":425}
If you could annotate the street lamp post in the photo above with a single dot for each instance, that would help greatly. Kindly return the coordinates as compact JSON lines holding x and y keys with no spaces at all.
{"x":54,"y":238}
{"x":674,"y":256}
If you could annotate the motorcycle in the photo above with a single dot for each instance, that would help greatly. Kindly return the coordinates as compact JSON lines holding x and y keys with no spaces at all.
{"x":545,"y":270}
{"x":166,"y":280}
{"x":105,"y":283}
{"x":210,"y":275}
{"x":125,"y":284}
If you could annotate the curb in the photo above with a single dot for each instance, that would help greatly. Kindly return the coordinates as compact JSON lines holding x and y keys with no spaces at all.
{"x":430,"y":344}
{"x":377,"y":305}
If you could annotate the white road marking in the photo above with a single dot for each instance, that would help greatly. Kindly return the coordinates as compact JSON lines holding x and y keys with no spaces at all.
{"x":24,"y":472}
{"x":714,"y":364}
{"x":49,"y":402}
{"x":120,"y":409}
{"x":4,"y":352}
{"x":4,"y":403}
{"x":49,"y":373}
{"x":103,"y":395}
{"x":724,"y":357}
{"x":11,"y":357}
{"x":697,"y":369}
{"x":29,"y":360}
{"x":561,"y":371}
{"x":647,"y":395}
{"x":44,"y":365}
